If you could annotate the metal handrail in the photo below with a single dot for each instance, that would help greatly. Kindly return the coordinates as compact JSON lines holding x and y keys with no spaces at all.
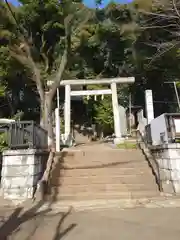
{"x":147,"y":151}
{"x":26,"y":134}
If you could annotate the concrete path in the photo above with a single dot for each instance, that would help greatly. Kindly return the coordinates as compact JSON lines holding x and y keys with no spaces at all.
{"x":134,"y":224}
{"x":129,"y":224}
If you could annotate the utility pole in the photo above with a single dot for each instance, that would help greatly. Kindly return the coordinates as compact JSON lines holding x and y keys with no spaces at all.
{"x":176,"y":92}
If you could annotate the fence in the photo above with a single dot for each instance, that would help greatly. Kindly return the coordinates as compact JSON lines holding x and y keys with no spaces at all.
{"x":27,"y":134}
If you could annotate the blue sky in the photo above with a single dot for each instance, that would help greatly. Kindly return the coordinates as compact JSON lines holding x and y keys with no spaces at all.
{"x":89,"y":3}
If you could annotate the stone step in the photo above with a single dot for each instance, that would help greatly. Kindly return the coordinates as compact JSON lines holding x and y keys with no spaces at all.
{"x":117,"y":179}
{"x":106,"y":155}
{"x":85,"y":175}
{"x":105,"y":195}
{"x":99,"y":164}
{"x":88,"y":172}
{"x":123,"y":203}
{"x":101,"y":159}
{"x":98,"y":188}
{"x":90,"y":150}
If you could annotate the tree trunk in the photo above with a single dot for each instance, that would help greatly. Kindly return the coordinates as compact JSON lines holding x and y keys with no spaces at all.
{"x":47,"y":124}
{"x":46,"y":121}
{"x":50,"y":131}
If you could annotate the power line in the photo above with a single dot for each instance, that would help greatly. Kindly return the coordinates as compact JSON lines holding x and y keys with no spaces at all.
{"x":164,"y":102}
{"x":176,"y":92}
{"x":22,"y":31}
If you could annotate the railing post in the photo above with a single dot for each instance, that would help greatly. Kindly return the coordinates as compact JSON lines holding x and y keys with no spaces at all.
{"x":67,"y":112}
{"x":58,"y":131}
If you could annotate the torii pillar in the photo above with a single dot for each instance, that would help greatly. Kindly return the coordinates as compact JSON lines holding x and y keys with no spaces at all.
{"x":117,"y":125}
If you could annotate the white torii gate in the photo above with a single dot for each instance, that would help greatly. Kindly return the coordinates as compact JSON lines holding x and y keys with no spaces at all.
{"x":113,"y":91}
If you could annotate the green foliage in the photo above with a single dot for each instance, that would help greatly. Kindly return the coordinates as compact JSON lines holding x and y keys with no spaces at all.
{"x":62,"y":125}
{"x":2,"y":90}
{"x":104,"y":113}
{"x":127,"y":145}
{"x":3,"y":141}
{"x":4,"y":136}
{"x":120,"y":40}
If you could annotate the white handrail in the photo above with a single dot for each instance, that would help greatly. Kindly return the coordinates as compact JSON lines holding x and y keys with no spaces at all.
{"x":6,"y":121}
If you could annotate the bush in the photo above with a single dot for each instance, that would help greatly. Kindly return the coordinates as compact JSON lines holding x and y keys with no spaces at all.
{"x":104,"y":114}
{"x":3,"y":141}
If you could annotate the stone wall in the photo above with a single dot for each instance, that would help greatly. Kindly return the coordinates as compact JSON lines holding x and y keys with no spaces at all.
{"x":21,"y":171}
{"x":0,"y":166}
{"x":168,"y":159}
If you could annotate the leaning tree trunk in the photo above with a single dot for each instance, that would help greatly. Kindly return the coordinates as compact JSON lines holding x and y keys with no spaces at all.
{"x":46,"y":121}
{"x":47,"y":124}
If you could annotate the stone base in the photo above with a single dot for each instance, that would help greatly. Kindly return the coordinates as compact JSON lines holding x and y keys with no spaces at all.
{"x":167,"y":158}
{"x":66,"y":141}
{"x":21,"y":171}
{"x":119,"y":141}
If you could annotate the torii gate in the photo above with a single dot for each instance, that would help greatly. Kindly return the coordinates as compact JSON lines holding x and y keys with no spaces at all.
{"x":113,"y":91}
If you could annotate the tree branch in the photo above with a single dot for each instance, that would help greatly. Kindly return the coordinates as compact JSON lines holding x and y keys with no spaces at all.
{"x":159,"y":54}
{"x":59,"y":74}
{"x":44,"y":56}
{"x":82,"y":23}
{"x":64,"y":59}
{"x":175,"y":8}
{"x":162,"y":26}
{"x":159,"y":15}
{"x":25,"y":55}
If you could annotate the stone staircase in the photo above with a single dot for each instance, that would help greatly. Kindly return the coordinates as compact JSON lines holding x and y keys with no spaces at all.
{"x":101,"y":173}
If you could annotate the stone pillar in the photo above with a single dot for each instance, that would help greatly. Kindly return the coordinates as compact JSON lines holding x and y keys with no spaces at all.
{"x":149,"y":106}
{"x":117,"y":126}
{"x":67,"y":111}
{"x":21,"y":171}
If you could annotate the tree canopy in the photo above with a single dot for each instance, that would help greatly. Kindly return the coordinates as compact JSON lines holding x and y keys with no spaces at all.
{"x":46,"y":41}
{"x":51,"y":40}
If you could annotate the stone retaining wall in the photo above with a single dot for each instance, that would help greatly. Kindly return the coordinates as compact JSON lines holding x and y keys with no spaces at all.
{"x":21,"y":171}
{"x":168,"y":159}
{"x":0,"y":166}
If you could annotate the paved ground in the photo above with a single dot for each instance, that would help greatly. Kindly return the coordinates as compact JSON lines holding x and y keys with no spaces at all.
{"x":134,"y":224}
{"x":115,"y":224}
